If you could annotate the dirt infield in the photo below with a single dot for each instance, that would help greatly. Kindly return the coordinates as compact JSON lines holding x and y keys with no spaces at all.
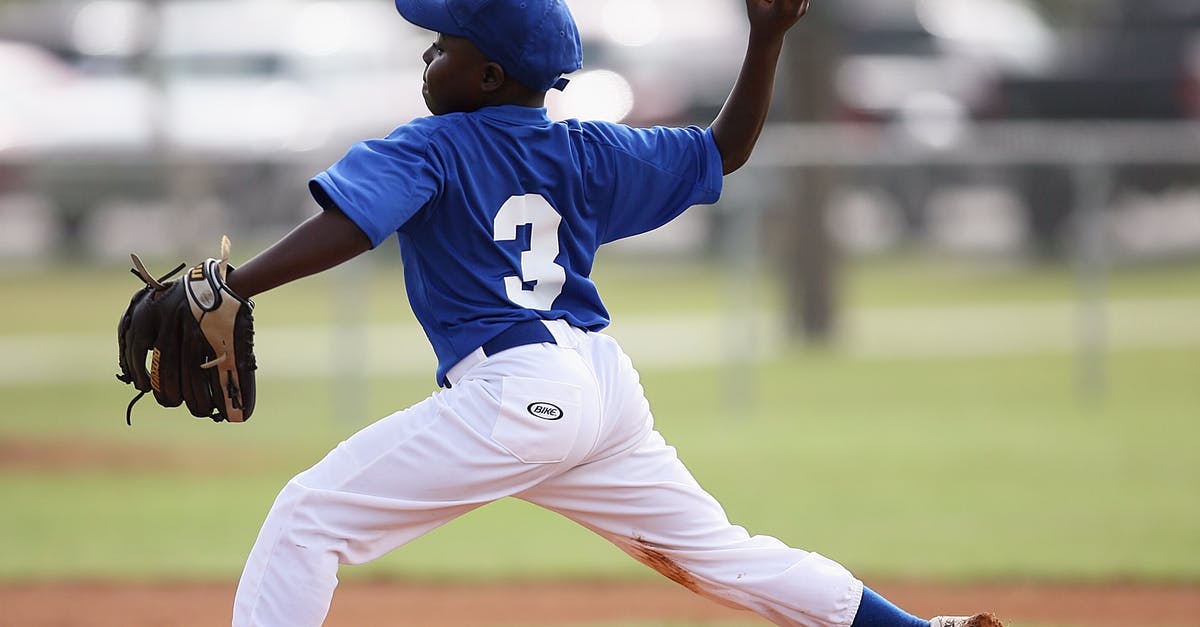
{"x":565,"y":604}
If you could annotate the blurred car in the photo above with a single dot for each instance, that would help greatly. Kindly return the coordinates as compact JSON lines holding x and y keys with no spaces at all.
{"x":52,"y":116}
{"x":242,"y":100}
{"x":29,"y":71}
{"x":654,"y":61}
{"x":897,"y":57}
{"x":924,"y":71}
{"x":276,"y":75}
{"x":246,"y":97}
{"x":1125,"y":61}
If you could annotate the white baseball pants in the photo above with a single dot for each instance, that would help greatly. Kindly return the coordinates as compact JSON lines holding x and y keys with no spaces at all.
{"x":566,"y":427}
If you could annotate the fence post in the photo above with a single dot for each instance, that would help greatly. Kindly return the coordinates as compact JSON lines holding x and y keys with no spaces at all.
{"x":808,"y":269}
{"x":1092,"y":178}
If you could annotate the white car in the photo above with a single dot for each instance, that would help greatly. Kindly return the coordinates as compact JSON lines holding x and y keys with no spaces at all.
{"x":247,"y":97}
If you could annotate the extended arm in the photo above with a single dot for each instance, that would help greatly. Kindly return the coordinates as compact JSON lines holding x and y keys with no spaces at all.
{"x":738,"y":125}
{"x":317,"y":244}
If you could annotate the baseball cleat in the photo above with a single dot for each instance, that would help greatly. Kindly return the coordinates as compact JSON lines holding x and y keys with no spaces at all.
{"x":978,"y":620}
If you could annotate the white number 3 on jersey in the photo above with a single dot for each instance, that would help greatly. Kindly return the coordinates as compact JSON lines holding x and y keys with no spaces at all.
{"x":538,"y":269}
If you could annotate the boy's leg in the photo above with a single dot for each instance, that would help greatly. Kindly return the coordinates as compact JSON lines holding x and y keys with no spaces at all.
{"x":412,"y":472}
{"x":361,"y":501}
{"x":876,"y":611}
{"x":646,"y":502}
{"x":634,"y":491}
{"x":291,"y":573}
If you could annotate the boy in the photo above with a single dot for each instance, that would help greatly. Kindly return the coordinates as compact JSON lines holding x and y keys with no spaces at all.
{"x":499,"y":213}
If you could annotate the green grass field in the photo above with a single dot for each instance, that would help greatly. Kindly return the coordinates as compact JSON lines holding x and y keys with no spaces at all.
{"x":993,"y":462}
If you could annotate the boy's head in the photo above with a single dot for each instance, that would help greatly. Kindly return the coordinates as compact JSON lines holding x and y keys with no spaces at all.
{"x":534,"y":41}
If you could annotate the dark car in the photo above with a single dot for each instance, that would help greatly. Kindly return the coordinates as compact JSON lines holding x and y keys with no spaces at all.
{"x":925,"y":71}
{"x":1126,"y":61}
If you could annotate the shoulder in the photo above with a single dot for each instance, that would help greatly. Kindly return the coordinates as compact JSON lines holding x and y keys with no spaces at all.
{"x":600,"y":132}
{"x":658,"y":145}
{"x":622,"y":136}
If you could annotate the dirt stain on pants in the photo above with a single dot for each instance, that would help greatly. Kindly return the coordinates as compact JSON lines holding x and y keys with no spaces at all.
{"x":647,"y":554}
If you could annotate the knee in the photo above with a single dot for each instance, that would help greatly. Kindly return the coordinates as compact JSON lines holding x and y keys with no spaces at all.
{"x":299,"y":516}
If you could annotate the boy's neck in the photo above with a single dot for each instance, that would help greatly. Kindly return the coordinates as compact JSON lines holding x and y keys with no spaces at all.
{"x":510,"y":94}
{"x":520,"y":98}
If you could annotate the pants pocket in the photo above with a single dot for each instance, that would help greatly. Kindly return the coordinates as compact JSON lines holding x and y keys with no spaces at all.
{"x":539,"y":420}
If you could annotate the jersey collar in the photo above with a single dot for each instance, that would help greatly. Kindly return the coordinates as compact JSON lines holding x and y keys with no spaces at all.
{"x":516,"y":114}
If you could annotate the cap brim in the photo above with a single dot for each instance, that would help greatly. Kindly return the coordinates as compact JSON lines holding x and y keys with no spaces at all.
{"x":431,"y":15}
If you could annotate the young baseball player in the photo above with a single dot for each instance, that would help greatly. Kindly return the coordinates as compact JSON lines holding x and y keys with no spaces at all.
{"x":499,"y":213}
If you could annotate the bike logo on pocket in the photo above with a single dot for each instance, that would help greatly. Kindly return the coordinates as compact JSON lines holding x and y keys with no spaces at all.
{"x":545,"y":411}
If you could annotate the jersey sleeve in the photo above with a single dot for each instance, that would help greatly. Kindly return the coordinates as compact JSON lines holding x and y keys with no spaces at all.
{"x":650,"y":176}
{"x":381,"y":183}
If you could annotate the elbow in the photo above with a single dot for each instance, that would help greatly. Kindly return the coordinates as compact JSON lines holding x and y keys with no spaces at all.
{"x":733,"y":162}
{"x":734,"y":154}
{"x":731,"y":159}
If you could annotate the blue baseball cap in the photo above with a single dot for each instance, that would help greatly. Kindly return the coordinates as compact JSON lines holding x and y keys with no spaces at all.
{"x":535,"y":41}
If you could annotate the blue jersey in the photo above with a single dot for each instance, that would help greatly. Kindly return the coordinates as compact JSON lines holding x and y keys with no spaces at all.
{"x":500,"y":212}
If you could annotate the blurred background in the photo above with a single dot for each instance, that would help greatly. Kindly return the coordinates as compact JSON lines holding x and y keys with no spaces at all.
{"x":963,"y":261}
{"x":120,"y":117}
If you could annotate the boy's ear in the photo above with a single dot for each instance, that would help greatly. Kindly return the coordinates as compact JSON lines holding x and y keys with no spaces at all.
{"x":493,"y":77}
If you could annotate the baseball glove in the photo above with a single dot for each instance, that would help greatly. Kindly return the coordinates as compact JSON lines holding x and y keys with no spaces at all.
{"x":200,"y":336}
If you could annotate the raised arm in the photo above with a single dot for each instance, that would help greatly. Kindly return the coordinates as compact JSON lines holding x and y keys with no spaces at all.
{"x":317,"y":244}
{"x":738,"y":125}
